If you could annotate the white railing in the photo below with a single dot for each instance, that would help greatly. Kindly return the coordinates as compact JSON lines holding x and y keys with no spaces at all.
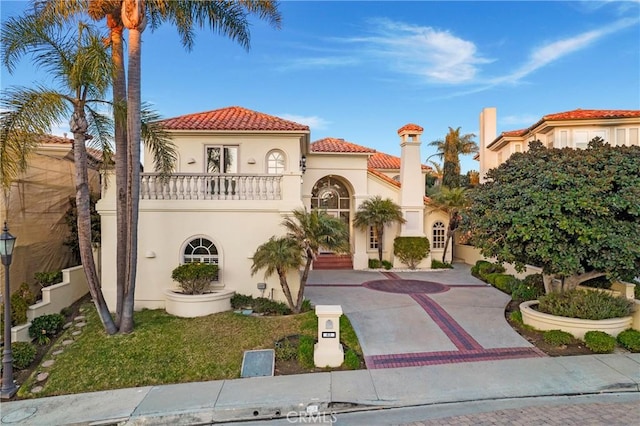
{"x":207,"y":186}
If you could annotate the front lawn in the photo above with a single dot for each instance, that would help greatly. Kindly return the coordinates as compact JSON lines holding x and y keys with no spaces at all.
{"x":164,"y":349}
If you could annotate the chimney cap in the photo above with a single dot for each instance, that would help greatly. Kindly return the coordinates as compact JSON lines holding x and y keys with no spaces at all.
{"x":410,"y":128}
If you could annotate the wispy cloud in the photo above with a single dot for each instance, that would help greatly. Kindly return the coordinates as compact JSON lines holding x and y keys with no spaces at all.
{"x":313,"y":121}
{"x":318,"y":62}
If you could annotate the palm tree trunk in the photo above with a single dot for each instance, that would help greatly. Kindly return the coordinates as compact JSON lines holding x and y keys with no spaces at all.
{"x":78,"y":125}
{"x":303,"y":283}
{"x":446,"y":246}
{"x":119,"y":100}
{"x":133,"y":18}
{"x":380,"y":234}
{"x":282,"y":276}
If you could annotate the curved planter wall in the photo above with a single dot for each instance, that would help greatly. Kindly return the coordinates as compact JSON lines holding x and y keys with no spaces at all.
{"x":575,"y":326}
{"x":197,"y":305}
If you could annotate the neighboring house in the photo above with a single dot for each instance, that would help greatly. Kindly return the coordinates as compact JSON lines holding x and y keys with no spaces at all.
{"x":239,"y":173}
{"x":37,"y":204}
{"x":573,"y":129}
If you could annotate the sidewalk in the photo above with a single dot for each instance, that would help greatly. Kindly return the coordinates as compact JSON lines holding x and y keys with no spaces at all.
{"x":269,"y":397}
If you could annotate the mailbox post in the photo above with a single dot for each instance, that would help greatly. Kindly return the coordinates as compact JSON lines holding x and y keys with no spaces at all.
{"x":328,"y":352}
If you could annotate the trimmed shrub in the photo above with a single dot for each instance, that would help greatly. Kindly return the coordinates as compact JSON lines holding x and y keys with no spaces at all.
{"x":241,"y":301}
{"x":387,"y":265}
{"x":599,"y":342}
{"x":19,"y":307}
{"x":375,"y":264}
{"x":195,"y":278}
{"x":557,"y":337}
{"x":528,"y":288}
{"x":411,"y":250}
{"x":592,"y":305}
{"x":23,"y":354}
{"x":475,"y":269}
{"x":487,"y":268}
{"x":630,"y":340}
{"x":490,"y":278}
{"x":351,"y":360}
{"x":505,"y":282}
{"x":305,"y":351}
{"x":45,"y":279}
{"x":436,"y":264}
{"x":44,"y":327}
{"x":516,"y":316}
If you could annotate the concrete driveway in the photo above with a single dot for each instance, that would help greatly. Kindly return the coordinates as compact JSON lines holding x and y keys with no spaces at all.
{"x":421,"y":318}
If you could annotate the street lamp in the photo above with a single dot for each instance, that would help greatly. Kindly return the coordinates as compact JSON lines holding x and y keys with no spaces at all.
{"x":7,"y":242}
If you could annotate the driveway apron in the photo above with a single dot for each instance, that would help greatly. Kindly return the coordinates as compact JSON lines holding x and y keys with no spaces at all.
{"x":418,"y":318}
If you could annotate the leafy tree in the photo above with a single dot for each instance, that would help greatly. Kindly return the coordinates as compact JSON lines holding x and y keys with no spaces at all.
{"x":574,"y":213}
{"x":450,"y":149}
{"x":451,"y":201}
{"x":313,"y":230}
{"x":279,"y":255}
{"x":378,"y":213}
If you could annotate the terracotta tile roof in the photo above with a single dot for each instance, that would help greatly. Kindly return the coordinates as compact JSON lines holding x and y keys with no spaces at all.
{"x":380,"y":160}
{"x":55,"y":140}
{"x":410,"y":127}
{"x":231,"y":118}
{"x":591,"y":114}
{"x":393,"y":182}
{"x":520,"y":132}
{"x":338,"y":145}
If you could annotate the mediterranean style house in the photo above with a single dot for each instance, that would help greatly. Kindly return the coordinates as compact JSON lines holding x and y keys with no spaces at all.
{"x":239,"y":173}
{"x":570,"y":129}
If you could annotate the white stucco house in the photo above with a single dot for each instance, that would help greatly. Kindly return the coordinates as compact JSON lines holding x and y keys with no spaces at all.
{"x":569,"y":129}
{"x":239,"y":173}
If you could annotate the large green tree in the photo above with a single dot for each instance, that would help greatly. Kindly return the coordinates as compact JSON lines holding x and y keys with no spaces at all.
{"x":574,"y":213}
{"x":378,"y":213}
{"x":451,"y":201}
{"x":450,"y":150}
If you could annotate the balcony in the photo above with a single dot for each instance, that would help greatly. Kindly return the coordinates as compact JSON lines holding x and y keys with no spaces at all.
{"x":207,"y":186}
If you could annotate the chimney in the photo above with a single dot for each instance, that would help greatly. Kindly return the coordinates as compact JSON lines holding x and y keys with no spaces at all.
{"x":488,"y":133}
{"x":412,"y":180}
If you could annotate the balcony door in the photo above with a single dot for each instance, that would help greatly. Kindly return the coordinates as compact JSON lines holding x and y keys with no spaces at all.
{"x":221,"y":159}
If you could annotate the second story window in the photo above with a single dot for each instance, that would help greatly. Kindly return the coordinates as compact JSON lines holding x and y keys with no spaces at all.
{"x":275,"y":162}
{"x":222,"y":159}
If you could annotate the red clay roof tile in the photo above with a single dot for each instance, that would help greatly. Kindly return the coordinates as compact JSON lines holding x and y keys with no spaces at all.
{"x":338,"y":145}
{"x":410,"y":127}
{"x":590,"y":114}
{"x":231,"y":118}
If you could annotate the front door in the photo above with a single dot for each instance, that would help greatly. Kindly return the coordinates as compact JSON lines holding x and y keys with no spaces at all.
{"x":332,"y":196}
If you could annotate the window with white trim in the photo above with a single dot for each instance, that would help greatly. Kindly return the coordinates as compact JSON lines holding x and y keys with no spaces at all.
{"x":275,"y":162}
{"x":201,"y":250}
{"x":221,"y":159}
{"x":438,"y":235}
{"x":373,"y":239}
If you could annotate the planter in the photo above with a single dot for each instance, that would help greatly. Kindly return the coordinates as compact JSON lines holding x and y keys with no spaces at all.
{"x":577,"y":327}
{"x":197,"y":305}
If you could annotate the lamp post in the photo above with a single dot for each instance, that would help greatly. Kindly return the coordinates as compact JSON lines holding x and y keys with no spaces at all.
{"x":7,"y":242}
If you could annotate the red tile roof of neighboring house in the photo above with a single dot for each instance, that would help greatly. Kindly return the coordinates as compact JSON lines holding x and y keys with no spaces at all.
{"x":338,"y":145}
{"x":591,"y":114}
{"x":515,"y":132}
{"x":52,"y":139}
{"x":231,"y":118}
{"x":410,"y":127}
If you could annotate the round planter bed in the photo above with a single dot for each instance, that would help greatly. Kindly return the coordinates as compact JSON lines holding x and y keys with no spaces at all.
{"x":197,"y":305}
{"x":577,"y":327}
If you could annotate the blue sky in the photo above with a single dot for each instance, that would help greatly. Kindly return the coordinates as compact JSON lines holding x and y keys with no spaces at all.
{"x":361,"y":70}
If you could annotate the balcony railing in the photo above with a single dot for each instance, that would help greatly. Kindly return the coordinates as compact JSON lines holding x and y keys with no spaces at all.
{"x":207,"y":186}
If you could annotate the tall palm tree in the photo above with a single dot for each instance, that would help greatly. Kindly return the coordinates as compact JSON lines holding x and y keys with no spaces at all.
{"x":451,"y":201}
{"x":313,"y":230}
{"x":278,"y":255}
{"x":378,"y":213}
{"x":450,"y":150}
{"x":78,"y":63}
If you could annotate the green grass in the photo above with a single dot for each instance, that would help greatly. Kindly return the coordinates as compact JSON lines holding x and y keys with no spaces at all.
{"x":164,"y":349}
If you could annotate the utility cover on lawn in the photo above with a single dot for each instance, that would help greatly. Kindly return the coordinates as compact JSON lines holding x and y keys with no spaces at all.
{"x":258,"y":363}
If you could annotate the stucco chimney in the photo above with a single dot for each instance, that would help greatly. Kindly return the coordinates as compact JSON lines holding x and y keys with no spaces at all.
{"x":412,"y":180}
{"x":488,"y":133}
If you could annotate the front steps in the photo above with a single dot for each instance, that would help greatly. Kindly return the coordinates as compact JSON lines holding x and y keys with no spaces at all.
{"x":333,"y":261}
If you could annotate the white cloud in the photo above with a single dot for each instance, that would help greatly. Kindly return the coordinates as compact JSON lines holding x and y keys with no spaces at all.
{"x":313,"y":121}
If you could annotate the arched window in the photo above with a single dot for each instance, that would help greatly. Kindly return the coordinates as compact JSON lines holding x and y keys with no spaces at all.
{"x":438,"y":235}
{"x":275,"y":162}
{"x":200,"y":250}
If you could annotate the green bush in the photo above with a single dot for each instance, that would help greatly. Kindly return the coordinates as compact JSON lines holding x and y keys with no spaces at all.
{"x":306,"y":306}
{"x":585,"y":304}
{"x":19,"y":308}
{"x":487,"y":268}
{"x":23,"y":354}
{"x":387,"y":265}
{"x":351,"y":360}
{"x":599,"y":342}
{"x":262,"y":305}
{"x":44,"y":327}
{"x":239,"y":301}
{"x":195,"y":278}
{"x":475,"y":269}
{"x":530,"y":288}
{"x":557,"y":337}
{"x":490,"y":278}
{"x":285,"y":350}
{"x":630,"y":340}
{"x":375,"y":264}
{"x":305,"y":351}
{"x":411,"y":250}
{"x":45,"y":279}
{"x":516,"y":316}
{"x":436,"y":264}
{"x":504,"y":282}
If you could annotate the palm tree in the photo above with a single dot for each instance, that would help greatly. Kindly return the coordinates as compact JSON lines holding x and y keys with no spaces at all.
{"x":450,"y":150}
{"x":378,"y":213}
{"x":278,"y":255}
{"x":79,"y":66}
{"x":451,"y":201}
{"x":313,"y":230}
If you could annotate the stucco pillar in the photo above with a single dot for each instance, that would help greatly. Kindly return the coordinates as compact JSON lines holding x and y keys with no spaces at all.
{"x":412,"y":180}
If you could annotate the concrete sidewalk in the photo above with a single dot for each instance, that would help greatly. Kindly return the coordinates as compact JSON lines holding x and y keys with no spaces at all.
{"x":280,"y":396}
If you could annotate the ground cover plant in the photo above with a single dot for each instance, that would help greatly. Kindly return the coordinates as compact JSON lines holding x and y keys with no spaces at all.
{"x":630,"y":340}
{"x":591,"y":305}
{"x":599,"y":342}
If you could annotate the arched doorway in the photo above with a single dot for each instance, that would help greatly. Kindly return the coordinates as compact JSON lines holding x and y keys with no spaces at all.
{"x":332,"y":195}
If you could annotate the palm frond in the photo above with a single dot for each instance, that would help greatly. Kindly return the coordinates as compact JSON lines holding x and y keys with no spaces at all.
{"x":158,"y":141}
